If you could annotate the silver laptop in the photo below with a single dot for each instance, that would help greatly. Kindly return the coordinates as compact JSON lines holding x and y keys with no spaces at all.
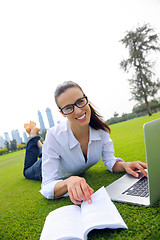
{"x":142,"y":191}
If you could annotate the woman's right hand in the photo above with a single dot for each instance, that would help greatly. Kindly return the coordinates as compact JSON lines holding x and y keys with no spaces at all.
{"x":79,"y":190}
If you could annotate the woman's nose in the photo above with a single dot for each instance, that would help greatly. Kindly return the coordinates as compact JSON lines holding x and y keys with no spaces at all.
{"x":77,"y":110}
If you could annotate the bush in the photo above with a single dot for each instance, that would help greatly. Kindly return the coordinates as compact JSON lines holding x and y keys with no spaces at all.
{"x":137,"y":111}
{"x":21,"y":146}
{"x":3,"y":151}
{"x":153,"y":104}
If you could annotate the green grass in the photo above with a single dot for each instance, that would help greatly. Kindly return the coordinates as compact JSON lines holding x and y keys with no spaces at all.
{"x":23,"y":209}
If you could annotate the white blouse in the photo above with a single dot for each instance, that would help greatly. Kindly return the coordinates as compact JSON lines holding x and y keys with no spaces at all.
{"x":62,"y":156}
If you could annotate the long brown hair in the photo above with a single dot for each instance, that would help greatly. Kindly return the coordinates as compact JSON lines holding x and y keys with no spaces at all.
{"x":96,"y":121}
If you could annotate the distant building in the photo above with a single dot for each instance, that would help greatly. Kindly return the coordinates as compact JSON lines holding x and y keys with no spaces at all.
{"x":2,"y":145}
{"x":6,"y":136}
{"x":49,"y":116}
{"x":42,"y":127}
{"x":16,"y":136}
{"x":25,"y":137}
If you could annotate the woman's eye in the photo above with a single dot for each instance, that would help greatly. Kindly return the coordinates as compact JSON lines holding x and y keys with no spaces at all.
{"x":69,"y":108}
{"x":80,"y":102}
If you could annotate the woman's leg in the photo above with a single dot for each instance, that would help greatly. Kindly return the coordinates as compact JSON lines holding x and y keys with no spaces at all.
{"x":32,"y":167}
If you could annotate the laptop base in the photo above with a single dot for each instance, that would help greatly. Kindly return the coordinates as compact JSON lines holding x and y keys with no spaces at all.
{"x":116,"y":189}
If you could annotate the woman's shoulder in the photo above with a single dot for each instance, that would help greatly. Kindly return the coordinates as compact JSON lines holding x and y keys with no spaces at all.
{"x":58,"y":128}
{"x":103,"y":132}
{"x":105,"y":135}
{"x":99,"y":134}
{"x":56,"y":135}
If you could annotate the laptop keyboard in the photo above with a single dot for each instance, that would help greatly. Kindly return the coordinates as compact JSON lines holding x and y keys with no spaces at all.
{"x":140,"y":188}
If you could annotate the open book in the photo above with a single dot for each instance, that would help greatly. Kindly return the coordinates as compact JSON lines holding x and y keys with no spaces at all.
{"x":74,"y":222}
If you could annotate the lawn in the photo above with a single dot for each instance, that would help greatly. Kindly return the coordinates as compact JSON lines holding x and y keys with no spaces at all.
{"x":23,"y":209}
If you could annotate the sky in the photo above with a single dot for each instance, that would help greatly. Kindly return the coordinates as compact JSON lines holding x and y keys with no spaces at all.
{"x":44,"y":43}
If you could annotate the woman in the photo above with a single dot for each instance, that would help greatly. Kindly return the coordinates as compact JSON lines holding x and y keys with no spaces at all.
{"x":75,"y":145}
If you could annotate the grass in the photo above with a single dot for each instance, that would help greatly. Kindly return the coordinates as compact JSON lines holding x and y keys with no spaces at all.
{"x":23,"y":209}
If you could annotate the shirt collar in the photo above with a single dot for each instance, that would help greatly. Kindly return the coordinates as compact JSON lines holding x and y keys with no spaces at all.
{"x":94,"y":135}
{"x":71,"y":138}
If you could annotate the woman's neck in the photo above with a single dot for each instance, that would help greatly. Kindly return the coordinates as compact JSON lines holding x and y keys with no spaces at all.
{"x":80,"y":132}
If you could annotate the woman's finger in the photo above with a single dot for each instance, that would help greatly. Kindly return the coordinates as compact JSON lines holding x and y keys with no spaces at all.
{"x":87,"y":190}
{"x":73,"y":198}
{"x":142,"y":166}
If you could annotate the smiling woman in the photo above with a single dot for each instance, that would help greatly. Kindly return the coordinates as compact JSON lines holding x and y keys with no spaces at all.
{"x":95,"y":119}
{"x":72,"y":147}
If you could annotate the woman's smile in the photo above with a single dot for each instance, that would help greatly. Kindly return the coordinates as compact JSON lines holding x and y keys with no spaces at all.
{"x":82,"y":118}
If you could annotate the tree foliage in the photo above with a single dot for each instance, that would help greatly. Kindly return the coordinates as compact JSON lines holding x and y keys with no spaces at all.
{"x":154,"y":106}
{"x":21,"y":146}
{"x":7,"y":145}
{"x":13,"y":145}
{"x":3,"y":151}
{"x":140,"y":44}
{"x":43,"y":135}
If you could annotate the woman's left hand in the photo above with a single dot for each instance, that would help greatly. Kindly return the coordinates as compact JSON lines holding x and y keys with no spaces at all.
{"x":133,"y":167}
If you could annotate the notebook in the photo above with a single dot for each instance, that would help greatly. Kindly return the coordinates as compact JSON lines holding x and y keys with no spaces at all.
{"x":125,"y":188}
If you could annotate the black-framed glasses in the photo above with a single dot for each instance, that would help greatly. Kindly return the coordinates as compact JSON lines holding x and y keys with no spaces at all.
{"x":80,"y":103}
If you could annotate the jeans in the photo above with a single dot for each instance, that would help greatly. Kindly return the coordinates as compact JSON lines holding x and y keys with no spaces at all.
{"x":32,"y":166}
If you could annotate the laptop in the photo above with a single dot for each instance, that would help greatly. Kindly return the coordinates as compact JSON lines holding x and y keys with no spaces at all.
{"x":125,"y":188}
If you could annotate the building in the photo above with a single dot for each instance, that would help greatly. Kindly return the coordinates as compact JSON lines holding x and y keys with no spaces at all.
{"x":16,"y":136}
{"x":42,"y":127}
{"x":25,"y":137}
{"x":49,"y":117}
{"x":2,"y":145}
{"x":6,"y":136}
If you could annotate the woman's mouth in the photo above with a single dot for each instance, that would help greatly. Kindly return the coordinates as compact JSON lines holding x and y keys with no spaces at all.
{"x":82,"y":118}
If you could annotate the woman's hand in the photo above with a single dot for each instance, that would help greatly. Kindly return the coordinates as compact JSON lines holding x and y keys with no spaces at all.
{"x":79,"y":190}
{"x":131,"y":167}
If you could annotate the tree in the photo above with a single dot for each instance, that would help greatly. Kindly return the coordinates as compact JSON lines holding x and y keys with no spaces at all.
{"x":43,"y":134}
{"x":7,"y":145}
{"x":13,"y":144}
{"x":140,"y":44}
{"x":115,"y":114}
{"x":20,"y":146}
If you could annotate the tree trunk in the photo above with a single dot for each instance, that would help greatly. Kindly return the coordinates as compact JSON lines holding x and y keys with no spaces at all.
{"x":144,"y":91}
{"x":148,"y":108}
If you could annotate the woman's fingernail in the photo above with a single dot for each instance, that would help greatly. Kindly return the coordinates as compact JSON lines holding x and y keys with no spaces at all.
{"x":89,"y":201}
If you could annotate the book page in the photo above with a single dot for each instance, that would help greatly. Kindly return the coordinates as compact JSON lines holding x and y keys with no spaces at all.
{"x":63,"y":223}
{"x":102,"y":213}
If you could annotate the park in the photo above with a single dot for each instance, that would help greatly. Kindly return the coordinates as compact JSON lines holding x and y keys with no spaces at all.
{"x":23,"y":209}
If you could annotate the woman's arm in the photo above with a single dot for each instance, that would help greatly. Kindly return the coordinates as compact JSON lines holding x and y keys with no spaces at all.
{"x":50,"y":166}
{"x":118,"y":165}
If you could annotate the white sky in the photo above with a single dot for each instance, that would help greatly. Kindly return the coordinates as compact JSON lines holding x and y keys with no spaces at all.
{"x":43,"y":43}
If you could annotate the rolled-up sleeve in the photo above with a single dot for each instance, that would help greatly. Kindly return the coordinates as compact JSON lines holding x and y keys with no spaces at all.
{"x":50,"y":166}
{"x":108,"y":152}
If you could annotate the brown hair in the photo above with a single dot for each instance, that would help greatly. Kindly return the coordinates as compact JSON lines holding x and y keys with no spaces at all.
{"x":96,"y":121}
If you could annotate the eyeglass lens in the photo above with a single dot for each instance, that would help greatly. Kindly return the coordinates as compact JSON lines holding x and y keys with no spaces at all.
{"x":79,"y":103}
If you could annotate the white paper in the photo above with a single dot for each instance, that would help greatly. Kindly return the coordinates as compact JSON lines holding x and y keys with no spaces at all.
{"x":102,"y":213}
{"x":62,"y":222}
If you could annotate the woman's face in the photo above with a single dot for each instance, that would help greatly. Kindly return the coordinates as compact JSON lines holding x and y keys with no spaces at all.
{"x":80,"y":116}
